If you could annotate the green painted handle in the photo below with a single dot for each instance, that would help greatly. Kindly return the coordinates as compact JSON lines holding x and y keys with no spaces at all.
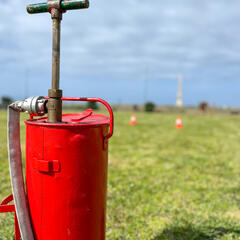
{"x":65,"y":5}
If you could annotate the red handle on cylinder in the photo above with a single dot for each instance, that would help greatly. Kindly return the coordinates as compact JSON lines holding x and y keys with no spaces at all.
{"x":91,"y":99}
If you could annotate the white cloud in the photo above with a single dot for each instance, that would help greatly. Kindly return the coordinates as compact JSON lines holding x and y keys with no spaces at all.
{"x":123,"y":37}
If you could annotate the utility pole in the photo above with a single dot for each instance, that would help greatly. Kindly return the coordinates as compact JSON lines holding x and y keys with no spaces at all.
{"x":179,"y":102}
{"x":145,"y":90}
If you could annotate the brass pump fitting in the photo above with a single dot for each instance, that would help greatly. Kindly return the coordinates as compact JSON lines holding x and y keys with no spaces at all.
{"x":55,"y":93}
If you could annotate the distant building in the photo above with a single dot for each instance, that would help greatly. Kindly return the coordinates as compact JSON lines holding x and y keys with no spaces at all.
{"x":179,"y":102}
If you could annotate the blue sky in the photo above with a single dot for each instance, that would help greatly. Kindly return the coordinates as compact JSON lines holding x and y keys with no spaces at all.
{"x":110,"y":49}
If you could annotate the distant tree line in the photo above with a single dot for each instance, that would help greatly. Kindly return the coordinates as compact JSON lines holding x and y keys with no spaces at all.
{"x":5,"y":101}
{"x":149,"y":107}
{"x":92,"y":105}
{"x":203,"y":106}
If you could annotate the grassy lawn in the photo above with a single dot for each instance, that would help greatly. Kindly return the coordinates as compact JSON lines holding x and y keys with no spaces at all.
{"x":165,"y":183}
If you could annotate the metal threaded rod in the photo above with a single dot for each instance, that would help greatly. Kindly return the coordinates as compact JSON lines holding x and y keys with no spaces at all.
{"x":65,"y":5}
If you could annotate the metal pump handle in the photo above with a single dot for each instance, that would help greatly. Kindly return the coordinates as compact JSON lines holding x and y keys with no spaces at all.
{"x":64,"y":6}
{"x":56,"y":8}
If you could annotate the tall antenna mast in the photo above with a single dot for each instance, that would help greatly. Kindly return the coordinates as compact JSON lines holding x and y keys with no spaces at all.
{"x":179,"y":102}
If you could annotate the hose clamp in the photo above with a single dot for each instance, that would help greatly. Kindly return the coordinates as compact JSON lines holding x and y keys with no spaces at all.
{"x":33,"y":105}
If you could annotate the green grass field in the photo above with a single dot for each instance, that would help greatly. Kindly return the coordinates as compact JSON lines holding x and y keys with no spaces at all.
{"x":164,"y":183}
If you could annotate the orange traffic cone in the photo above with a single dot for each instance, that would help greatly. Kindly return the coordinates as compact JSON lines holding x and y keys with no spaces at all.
{"x":133,"y":120}
{"x":179,"y":124}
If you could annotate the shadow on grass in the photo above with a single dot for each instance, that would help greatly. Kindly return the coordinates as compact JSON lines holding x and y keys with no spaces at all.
{"x":190,"y":233}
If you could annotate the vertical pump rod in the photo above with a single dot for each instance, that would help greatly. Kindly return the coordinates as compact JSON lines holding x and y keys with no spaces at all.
{"x":55,"y":94}
{"x":56,"y":53}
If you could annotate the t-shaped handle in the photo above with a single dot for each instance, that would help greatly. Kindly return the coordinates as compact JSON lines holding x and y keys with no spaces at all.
{"x":64,"y":6}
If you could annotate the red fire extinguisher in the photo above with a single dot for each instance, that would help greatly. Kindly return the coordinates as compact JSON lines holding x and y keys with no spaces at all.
{"x":66,"y":158}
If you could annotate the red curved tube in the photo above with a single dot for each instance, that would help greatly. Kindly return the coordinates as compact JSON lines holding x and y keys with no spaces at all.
{"x":92,"y":99}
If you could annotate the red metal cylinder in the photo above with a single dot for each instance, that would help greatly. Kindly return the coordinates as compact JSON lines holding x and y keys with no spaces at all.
{"x":66,"y":176}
